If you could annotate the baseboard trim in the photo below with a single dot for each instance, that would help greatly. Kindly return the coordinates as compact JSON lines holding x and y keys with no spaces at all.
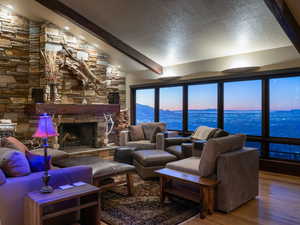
{"x":276,"y":166}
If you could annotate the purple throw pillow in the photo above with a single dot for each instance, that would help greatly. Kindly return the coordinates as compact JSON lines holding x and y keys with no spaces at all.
{"x":37,"y":162}
{"x":2,"y":177}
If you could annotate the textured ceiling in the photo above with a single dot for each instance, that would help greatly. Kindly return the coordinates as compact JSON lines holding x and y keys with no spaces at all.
{"x":178,"y":31}
{"x":172,"y":31}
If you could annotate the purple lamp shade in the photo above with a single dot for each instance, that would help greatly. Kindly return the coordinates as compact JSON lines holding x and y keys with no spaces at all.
{"x":45,"y":128}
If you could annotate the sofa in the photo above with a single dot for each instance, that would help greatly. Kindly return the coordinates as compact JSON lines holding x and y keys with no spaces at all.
{"x":142,"y":136}
{"x":13,"y":191}
{"x":182,"y":147}
{"x":226,"y":159}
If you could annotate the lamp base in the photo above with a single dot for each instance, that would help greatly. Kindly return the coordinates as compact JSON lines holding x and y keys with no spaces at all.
{"x":46,"y":189}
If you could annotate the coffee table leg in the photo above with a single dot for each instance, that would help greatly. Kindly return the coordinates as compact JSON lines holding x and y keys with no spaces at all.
{"x":162,"y":189}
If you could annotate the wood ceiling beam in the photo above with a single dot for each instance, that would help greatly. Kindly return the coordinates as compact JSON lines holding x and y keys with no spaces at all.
{"x":285,"y":18}
{"x":65,"y":11}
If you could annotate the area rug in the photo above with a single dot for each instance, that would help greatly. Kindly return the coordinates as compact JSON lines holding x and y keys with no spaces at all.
{"x":144,"y":207}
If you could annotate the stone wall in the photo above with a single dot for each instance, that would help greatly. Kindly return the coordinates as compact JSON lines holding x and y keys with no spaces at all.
{"x":22,"y":69}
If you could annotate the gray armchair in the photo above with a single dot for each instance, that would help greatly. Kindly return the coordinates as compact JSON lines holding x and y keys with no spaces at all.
{"x":227,"y":160}
{"x":182,"y":147}
{"x":141,"y":136}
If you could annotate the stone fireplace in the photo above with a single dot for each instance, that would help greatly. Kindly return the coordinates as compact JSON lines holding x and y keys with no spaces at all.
{"x":77,"y":135}
{"x":23,"y":84}
{"x":79,"y":126}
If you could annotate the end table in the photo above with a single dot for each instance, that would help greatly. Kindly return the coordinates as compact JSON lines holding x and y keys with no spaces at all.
{"x":40,"y":208}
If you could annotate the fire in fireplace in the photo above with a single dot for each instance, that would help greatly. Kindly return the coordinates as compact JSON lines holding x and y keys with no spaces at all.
{"x":77,"y":134}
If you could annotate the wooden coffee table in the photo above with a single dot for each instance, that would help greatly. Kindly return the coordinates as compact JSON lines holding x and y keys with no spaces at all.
{"x":204,"y":192}
{"x":42,"y":208}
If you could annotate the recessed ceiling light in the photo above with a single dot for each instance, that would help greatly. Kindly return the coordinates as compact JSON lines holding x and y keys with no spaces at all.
{"x":67,"y":28}
{"x":10,"y":6}
{"x":81,"y":37}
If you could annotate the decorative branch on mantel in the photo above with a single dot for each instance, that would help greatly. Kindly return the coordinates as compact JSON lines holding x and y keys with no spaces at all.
{"x":82,"y":71}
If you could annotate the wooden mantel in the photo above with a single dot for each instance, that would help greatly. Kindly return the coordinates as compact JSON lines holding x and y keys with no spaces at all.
{"x":72,"y":109}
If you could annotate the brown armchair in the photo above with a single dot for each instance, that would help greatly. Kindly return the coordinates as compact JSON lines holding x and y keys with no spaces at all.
{"x":145,"y":136}
{"x":233,"y":165}
{"x":182,"y":147}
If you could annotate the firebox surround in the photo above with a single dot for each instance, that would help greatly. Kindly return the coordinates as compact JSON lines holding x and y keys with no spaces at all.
{"x":72,"y":135}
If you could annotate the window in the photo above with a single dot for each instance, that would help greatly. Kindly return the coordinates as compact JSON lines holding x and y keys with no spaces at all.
{"x":285,"y":107}
{"x":202,"y":106}
{"x":253,"y":144}
{"x":284,"y":151}
{"x":144,"y":105}
{"x":242,"y":107}
{"x":170,"y":107}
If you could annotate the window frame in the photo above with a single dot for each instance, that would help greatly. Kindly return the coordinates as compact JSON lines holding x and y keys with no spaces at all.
{"x":265,"y":139}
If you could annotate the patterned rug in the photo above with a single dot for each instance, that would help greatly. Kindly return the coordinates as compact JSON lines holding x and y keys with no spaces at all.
{"x":144,"y":207}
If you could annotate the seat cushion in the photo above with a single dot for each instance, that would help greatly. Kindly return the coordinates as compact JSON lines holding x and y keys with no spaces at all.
{"x":216,"y":146}
{"x":175,"y":150}
{"x":102,"y":168}
{"x":143,"y":144}
{"x":150,"y":158}
{"x":188,"y":165}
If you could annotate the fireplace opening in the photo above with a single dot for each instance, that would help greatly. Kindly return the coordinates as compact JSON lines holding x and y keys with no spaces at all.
{"x":77,"y":135}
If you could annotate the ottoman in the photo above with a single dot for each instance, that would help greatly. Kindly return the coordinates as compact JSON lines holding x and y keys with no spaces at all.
{"x":124,"y":154}
{"x":147,"y":161}
{"x":103,"y":170}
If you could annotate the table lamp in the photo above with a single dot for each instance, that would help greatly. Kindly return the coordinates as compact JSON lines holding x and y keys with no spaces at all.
{"x":45,"y":129}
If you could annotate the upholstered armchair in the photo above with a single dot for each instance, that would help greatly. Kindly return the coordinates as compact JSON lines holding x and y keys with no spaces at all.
{"x":235,"y":167}
{"x":182,"y":147}
{"x":144,"y":136}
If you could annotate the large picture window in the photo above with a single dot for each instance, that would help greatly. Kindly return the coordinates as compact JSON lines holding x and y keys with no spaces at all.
{"x":202,"y":106}
{"x":285,"y":107}
{"x":144,"y":105}
{"x":266,"y":108}
{"x":242,"y":107}
{"x":170,"y":107}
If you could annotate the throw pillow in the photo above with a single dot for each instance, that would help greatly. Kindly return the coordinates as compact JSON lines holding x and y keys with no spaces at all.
{"x":37,"y":162}
{"x":136,"y":133}
{"x":13,"y":143}
{"x":154,"y":133}
{"x":14,"y":163}
{"x":2,"y":177}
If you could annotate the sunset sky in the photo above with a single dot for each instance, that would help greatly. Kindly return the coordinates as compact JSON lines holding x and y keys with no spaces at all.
{"x":246,"y":95}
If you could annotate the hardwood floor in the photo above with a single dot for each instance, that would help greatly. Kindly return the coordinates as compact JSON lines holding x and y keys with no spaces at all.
{"x":277,"y":204}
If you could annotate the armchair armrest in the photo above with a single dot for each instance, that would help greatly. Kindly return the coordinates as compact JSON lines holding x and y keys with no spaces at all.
{"x":124,"y":134}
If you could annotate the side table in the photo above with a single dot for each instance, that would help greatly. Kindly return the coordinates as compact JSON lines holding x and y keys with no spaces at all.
{"x":42,"y":208}
{"x":204,"y":195}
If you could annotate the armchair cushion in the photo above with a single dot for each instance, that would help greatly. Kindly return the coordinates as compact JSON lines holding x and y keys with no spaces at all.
{"x":2,"y":177}
{"x":149,"y":127}
{"x":136,"y":133}
{"x":155,"y":131}
{"x":188,"y":165}
{"x":214,"y":147}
